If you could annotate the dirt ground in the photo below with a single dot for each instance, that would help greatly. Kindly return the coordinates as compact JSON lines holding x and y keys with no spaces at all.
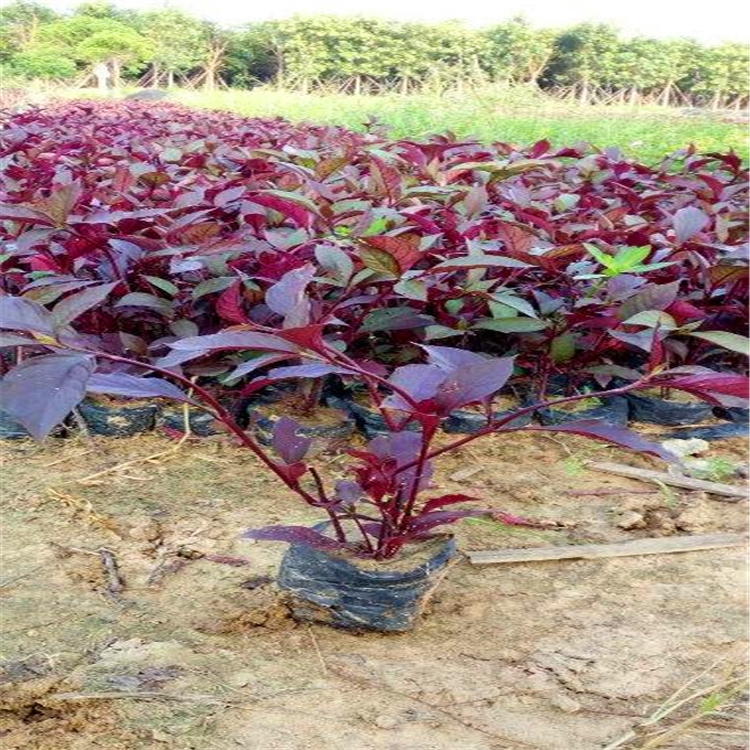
{"x":195,"y":654}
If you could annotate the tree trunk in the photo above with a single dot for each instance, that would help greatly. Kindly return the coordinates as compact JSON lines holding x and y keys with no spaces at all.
{"x":154,"y":75}
{"x":305,"y":85}
{"x":716,"y":101}
{"x":116,"y":75}
{"x":633,"y":98}
{"x":404,"y":86}
{"x":666,"y":95}
{"x":170,"y":79}
{"x":212,"y":66}
{"x":101,"y":72}
{"x":584,"y":93}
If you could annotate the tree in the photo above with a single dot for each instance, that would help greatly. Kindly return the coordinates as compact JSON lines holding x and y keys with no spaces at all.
{"x":89,"y":39}
{"x":43,"y":63}
{"x":116,"y":47}
{"x":722,"y":72}
{"x":584,"y":56}
{"x":216,"y":42}
{"x":520,"y":52}
{"x":177,"y":42}
{"x":20,"y":22}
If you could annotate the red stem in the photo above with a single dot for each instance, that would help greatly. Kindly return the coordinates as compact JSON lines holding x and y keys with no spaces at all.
{"x":427,"y":435}
{"x":220,"y":413}
{"x":495,"y":426}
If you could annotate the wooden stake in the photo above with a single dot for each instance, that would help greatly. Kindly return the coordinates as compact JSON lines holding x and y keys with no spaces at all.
{"x":651,"y":546}
{"x":675,"y":480}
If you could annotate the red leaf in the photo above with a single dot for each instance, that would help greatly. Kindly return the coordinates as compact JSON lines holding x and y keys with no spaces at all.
{"x":294,"y":211}
{"x":387,"y":178}
{"x":516,"y":239}
{"x":229,"y":304}
{"x":403,"y":249}
{"x":440,"y":502}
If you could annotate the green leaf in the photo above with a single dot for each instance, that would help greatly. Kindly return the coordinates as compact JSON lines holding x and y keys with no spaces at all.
{"x":628,"y":257}
{"x":563,"y":347}
{"x":209,"y":286}
{"x":395,"y":319}
{"x":335,"y":261}
{"x":650,"y":267}
{"x":732,"y":341}
{"x":140,"y":299}
{"x":511,"y":325}
{"x":412,"y":289}
{"x":605,"y":259}
{"x":652,"y":319}
{"x":516,"y":303}
{"x":440,"y":332}
{"x":566,"y":201}
{"x":164,"y":285}
{"x":171,"y":155}
{"x":379,"y":226}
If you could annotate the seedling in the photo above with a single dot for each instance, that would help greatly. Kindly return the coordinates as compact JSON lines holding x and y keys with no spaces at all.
{"x":386,"y":503}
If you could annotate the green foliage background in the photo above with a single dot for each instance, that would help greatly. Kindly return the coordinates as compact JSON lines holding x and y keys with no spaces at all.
{"x":357,"y":54}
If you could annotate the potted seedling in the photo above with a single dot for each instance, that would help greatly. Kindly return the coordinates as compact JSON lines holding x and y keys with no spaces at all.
{"x":381,"y":546}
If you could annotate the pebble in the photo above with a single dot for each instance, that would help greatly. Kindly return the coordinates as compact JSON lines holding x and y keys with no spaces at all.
{"x":564,"y":703}
{"x":385,"y":722}
{"x":631,"y":519}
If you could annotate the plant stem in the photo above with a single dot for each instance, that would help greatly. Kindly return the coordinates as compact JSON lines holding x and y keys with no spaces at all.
{"x":220,"y":413}
{"x":495,"y":426}
{"x":428,"y":433}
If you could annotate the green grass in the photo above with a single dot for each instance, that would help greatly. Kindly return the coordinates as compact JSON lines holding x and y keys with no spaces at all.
{"x":645,"y":133}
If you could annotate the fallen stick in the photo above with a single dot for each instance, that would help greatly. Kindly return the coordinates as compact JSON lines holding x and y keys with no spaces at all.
{"x":115,"y":581}
{"x":164,"y":568}
{"x":675,"y":480}
{"x":139,"y":696}
{"x":651,"y":546}
{"x":582,"y":493}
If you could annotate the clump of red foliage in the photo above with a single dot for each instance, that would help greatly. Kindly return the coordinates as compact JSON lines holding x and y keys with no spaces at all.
{"x":203,"y":246}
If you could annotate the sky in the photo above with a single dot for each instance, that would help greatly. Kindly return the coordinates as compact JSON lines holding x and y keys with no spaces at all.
{"x":719,"y":20}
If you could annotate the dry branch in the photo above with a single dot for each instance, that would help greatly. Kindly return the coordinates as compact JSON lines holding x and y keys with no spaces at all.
{"x":674,"y":480}
{"x":656,"y":546}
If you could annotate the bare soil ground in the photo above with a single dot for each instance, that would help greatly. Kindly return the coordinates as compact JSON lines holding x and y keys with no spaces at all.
{"x":195,"y":654}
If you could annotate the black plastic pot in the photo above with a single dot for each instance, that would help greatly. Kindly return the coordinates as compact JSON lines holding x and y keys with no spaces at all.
{"x":732,"y":414}
{"x":367,"y":421}
{"x":329,"y":589}
{"x":670,"y":413}
{"x":712,"y":432}
{"x":118,"y":421}
{"x":614,"y":411}
{"x":201,"y":422}
{"x":263,"y":430}
{"x":10,"y":429}
{"x":469,"y":422}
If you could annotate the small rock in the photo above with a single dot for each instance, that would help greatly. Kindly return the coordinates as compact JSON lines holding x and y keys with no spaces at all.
{"x":241,"y":678}
{"x":662,"y":522}
{"x":385,"y":722}
{"x":684,"y":448}
{"x":631,"y":519}
{"x":564,"y":703}
{"x":697,"y":518}
{"x":700,"y":468}
{"x":146,"y":529}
